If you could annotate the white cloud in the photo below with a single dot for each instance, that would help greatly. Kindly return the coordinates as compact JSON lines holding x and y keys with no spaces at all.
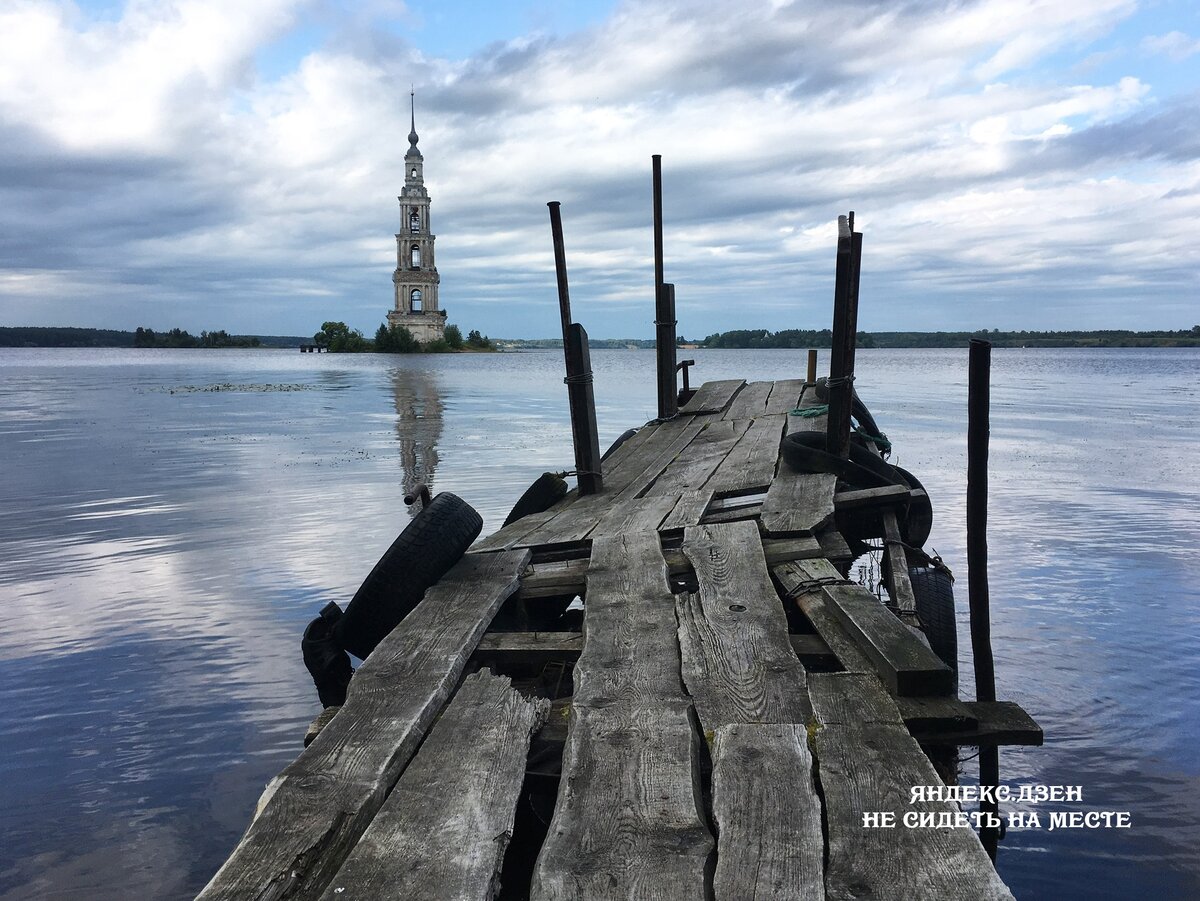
{"x":1174,"y":45}
{"x":916,"y":116}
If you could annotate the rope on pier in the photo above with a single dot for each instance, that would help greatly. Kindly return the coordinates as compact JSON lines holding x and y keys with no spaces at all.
{"x":583,"y":378}
{"x":880,"y":440}
{"x":810,"y":412}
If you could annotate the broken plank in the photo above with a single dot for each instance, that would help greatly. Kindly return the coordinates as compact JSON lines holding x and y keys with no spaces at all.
{"x":926,"y":715}
{"x":902,"y":662}
{"x":443,"y":830}
{"x":768,"y":815}
{"x":314,"y":812}
{"x":508,"y":536}
{"x":696,"y":462}
{"x":712,"y":397}
{"x":750,"y":402}
{"x":627,"y":822}
{"x":751,"y":462}
{"x":738,"y":664}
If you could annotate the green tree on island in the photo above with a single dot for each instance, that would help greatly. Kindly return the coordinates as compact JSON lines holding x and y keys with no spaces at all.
{"x":339,"y":338}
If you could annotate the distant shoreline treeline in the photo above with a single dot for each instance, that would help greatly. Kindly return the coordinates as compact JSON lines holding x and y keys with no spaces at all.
{"x":805,"y":338}
{"x":37,"y":336}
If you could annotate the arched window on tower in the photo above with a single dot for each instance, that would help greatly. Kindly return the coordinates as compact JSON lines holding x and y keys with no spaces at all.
{"x":415,"y":252}
{"x":414,"y":221}
{"x":414,"y":300}
{"x":413,"y":172}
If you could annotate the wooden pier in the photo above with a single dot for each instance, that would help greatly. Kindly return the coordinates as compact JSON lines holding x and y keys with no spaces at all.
{"x":714,"y":723}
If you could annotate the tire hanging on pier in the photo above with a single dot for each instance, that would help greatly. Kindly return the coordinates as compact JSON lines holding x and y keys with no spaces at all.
{"x":933,"y":588}
{"x":546,"y":490}
{"x":432,"y":543}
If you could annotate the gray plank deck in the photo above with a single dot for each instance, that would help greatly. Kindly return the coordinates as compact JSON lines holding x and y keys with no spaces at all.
{"x":799,"y":503}
{"x":628,"y":822}
{"x":443,"y":830}
{"x":869,"y":762}
{"x":313,"y":813}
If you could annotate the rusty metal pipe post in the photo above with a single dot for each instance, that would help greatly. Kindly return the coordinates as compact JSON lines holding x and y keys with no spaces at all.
{"x":580,"y":396}
{"x":664,"y":310}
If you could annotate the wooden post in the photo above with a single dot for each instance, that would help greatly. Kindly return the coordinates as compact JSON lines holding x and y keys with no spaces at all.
{"x":664,"y":309}
{"x":978,"y":430}
{"x":845,"y":326}
{"x":582,"y":400}
{"x":812,"y":367}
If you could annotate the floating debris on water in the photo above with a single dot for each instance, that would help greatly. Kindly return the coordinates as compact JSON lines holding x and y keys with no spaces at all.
{"x":230,"y":386}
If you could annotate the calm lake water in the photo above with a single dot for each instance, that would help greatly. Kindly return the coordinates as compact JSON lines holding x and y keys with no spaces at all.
{"x":173,"y":519}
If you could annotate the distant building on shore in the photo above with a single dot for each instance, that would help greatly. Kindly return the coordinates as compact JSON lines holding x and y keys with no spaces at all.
{"x":416,"y":277}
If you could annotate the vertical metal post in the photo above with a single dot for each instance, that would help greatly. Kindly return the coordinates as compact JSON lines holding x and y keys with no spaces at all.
{"x":664,"y":310}
{"x":812,"y":367}
{"x":845,"y":326}
{"x":978,"y":433}
{"x":579,"y":373}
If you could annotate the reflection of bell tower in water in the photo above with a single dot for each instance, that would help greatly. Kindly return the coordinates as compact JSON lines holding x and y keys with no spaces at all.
{"x":418,"y":424}
{"x":416,"y":277}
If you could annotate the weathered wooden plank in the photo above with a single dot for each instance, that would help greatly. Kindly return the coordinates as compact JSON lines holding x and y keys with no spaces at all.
{"x":443,"y":830}
{"x":712,"y":397}
{"x":869,"y":764}
{"x":785,"y":396}
{"x":635,"y":514}
{"x":502,"y":649}
{"x":899,"y":585}
{"x":313,"y":812}
{"x":871,"y":497}
{"x":798,"y":502}
{"x":809,"y":598}
{"x":808,"y":400}
{"x":641,"y":469}
{"x":499,"y":648}
{"x":627,"y":822}
{"x":750,"y":402}
{"x":995,"y":723}
{"x":851,"y":699}
{"x":768,"y":815}
{"x":696,"y":462}
{"x":738,"y":664}
{"x":567,"y":577}
{"x":929,"y":715}
{"x":906,"y":666}
{"x":510,"y":535}
{"x":751,"y":462}
{"x":687,"y":510}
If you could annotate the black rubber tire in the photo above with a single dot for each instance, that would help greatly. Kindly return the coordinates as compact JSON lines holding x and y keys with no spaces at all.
{"x":621,"y":439}
{"x":546,"y":490}
{"x":918,"y":523}
{"x":805,"y":452}
{"x":934,"y":592}
{"x":326,"y":660}
{"x":432,"y":543}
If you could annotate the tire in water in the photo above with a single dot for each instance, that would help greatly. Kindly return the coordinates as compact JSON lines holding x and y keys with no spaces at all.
{"x":432,"y":543}
{"x":934,"y":591}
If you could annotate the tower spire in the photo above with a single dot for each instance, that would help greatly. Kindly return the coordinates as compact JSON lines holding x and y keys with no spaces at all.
{"x":412,"y":135}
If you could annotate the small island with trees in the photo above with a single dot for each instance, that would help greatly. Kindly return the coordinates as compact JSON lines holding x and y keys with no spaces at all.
{"x":337,"y":337}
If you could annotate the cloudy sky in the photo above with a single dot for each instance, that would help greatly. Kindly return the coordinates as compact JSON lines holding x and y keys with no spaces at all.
{"x":230,"y":164}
